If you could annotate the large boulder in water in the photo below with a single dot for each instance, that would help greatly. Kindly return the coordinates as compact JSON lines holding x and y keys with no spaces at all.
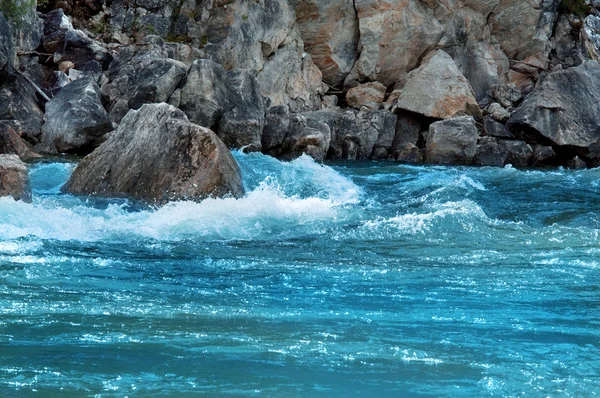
{"x":14,"y":180}
{"x":562,"y":110}
{"x":452,"y":141}
{"x":157,"y":155}
{"x":75,"y":120}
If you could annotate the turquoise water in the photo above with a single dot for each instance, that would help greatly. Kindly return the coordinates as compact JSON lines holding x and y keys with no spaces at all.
{"x":358,"y":279}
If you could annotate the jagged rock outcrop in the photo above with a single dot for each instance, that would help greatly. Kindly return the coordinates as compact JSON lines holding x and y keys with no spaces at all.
{"x":451,"y":141}
{"x":69,"y":44}
{"x":141,"y":75}
{"x":157,"y":155}
{"x":438,"y":90}
{"x":20,"y":108}
{"x":7,"y":52}
{"x":14,"y":180}
{"x":243,"y":124}
{"x":75,"y":121}
{"x":562,"y":110}
{"x":206,"y":93}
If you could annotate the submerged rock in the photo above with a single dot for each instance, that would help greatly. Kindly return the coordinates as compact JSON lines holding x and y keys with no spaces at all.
{"x":157,"y":155}
{"x":75,"y":120}
{"x":14,"y":180}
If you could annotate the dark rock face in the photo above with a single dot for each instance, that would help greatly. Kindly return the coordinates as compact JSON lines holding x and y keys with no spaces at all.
{"x":141,"y":75}
{"x":6,"y":48}
{"x":19,"y":107}
{"x":75,"y":120}
{"x":14,"y":180}
{"x":563,"y":109}
{"x":494,"y":152}
{"x":157,"y":155}
{"x":12,"y":144}
{"x":452,"y":141}
{"x":242,"y":125}
{"x":69,"y":44}
{"x":206,"y":93}
{"x":496,"y":129}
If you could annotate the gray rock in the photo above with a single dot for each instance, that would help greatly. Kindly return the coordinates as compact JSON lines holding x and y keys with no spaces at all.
{"x":542,"y":154}
{"x":26,"y":25}
{"x":562,"y":110}
{"x":12,"y":144}
{"x":410,"y":153}
{"x":590,"y":35}
{"x":497,"y":112}
{"x":75,"y":120}
{"x":408,"y":130}
{"x":490,"y":153}
{"x":310,"y":134}
{"x":14,"y":180}
{"x":242,"y":125}
{"x":577,"y":164}
{"x":157,"y":155}
{"x":496,"y":129}
{"x":141,"y":75}
{"x":506,"y":94}
{"x":7,"y":52}
{"x":451,"y":141}
{"x":19,"y":105}
{"x":277,"y":125}
{"x":207,"y":93}
{"x":519,"y":153}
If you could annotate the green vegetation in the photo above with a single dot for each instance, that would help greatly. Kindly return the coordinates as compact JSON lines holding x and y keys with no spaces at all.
{"x":15,"y":10}
{"x":178,"y":38}
{"x":575,"y":7}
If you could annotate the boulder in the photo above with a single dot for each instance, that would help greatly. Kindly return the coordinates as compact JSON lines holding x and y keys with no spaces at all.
{"x":369,"y":95}
{"x":277,"y":125}
{"x":506,"y":94}
{"x":75,"y":121}
{"x":207,"y":93}
{"x":451,"y":141}
{"x":496,"y":152}
{"x":157,"y":155}
{"x":141,"y":75}
{"x":577,"y":164}
{"x":448,"y":91}
{"x":14,"y":180}
{"x":12,"y":144}
{"x":408,"y":130}
{"x":330,"y":33}
{"x":495,"y":129}
{"x":408,"y":154}
{"x":497,"y":112}
{"x":490,"y":153}
{"x":242,"y":125}
{"x":26,"y":25}
{"x":542,"y":154}
{"x":309,"y":133}
{"x":562,"y":110}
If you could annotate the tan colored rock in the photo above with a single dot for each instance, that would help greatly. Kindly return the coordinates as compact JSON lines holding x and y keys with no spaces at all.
{"x":369,"y":95}
{"x":524,"y":28}
{"x":14,"y":180}
{"x":65,"y":66}
{"x":437,"y":89}
{"x":329,"y":30}
{"x":394,"y":35}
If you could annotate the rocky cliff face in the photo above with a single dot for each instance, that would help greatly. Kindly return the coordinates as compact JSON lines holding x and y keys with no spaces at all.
{"x":339,"y":79}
